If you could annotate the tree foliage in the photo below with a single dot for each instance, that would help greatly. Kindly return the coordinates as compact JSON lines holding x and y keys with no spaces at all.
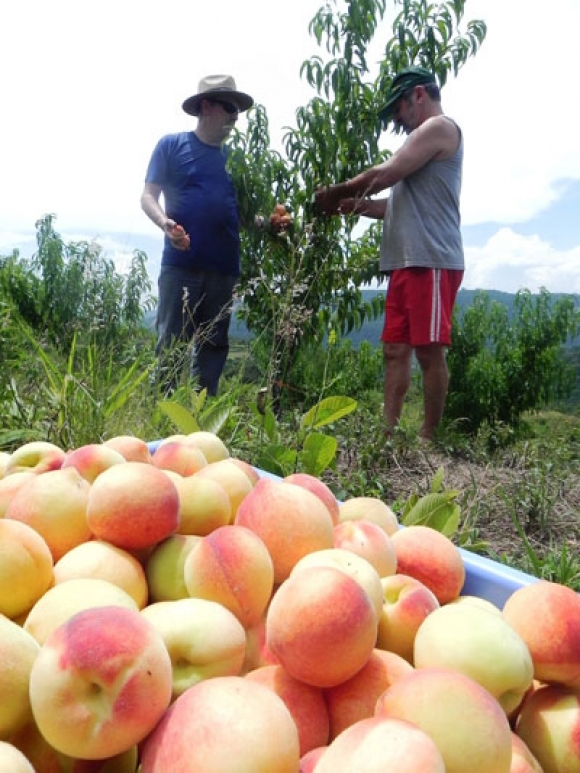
{"x":301,"y":285}
{"x":503,"y":365}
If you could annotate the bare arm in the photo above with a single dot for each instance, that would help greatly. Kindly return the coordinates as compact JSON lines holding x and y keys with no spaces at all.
{"x":154,"y":211}
{"x":373,"y":208}
{"x":437,"y":137}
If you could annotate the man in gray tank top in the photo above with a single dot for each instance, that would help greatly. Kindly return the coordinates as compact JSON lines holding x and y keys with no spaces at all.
{"x":421,"y":248}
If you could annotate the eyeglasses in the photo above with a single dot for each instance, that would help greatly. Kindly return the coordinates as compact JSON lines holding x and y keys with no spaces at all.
{"x":229,"y":107}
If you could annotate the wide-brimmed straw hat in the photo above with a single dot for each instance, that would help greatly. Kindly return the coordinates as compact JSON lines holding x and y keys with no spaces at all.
{"x":216,"y":87}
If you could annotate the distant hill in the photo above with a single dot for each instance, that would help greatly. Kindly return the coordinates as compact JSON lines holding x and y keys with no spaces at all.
{"x":371,"y":330}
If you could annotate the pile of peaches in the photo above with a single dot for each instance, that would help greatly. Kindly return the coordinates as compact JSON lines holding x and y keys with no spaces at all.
{"x":167,"y":608}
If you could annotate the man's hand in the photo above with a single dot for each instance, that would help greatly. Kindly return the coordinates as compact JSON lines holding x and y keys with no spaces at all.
{"x":177,"y":236}
{"x":327,"y":200}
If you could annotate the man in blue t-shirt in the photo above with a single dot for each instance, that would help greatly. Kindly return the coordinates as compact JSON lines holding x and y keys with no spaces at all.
{"x":201,"y":254}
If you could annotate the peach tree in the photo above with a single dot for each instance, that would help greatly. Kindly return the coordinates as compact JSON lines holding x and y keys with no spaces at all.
{"x":300,"y":285}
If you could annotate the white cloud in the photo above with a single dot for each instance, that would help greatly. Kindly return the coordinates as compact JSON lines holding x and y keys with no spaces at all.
{"x":511,"y":262}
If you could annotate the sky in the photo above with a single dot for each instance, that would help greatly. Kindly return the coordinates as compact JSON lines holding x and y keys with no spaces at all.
{"x":89,"y":86}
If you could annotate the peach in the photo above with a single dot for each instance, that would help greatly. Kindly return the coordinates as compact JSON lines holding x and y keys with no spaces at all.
{"x":37,"y":456}
{"x":204,"y":505}
{"x":406,"y":603}
{"x":10,"y":485}
{"x":309,"y":760}
{"x":133,"y":449}
{"x":523,"y":761}
{"x":46,"y":759}
{"x":369,"y":541}
{"x":258,"y":653}
{"x":466,"y":723}
{"x":101,"y":560}
{"x":356,"y":566}
{"x":213,"y":447}
{"x":369,"y":509}
{"x":233,"y":478}
{"x":233,"y":567}
{"x":55,"y":505}
{"x":480,"y":644}
{"x":223,"y":724}
{"x":549,"y":725}
{"x":203,"y":638}
{"x":90,"y":460}
{"x":304,"y":702}
{"x":61,"y":602}
{"x":164,"y":567}
{"x":12,"y":760}
{"x":291,"y":521}
{"x":18,"y":651}
{"x":379,"y":744}
{"x":100,"y":683}
{"x":251,"y":472}
{"x":26,"y":567}
{"x":355,"y":699}
{"x":321,"y":625}
{"x":547,"y":617}
{"x":179,"y":457}
{"x":133,"y":506}
{"x":431,"y":557}
{"x":4,"y":457}
{"x":319,"y":488}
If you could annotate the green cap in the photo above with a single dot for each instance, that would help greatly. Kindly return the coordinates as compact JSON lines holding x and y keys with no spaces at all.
{"x":402,"y":82}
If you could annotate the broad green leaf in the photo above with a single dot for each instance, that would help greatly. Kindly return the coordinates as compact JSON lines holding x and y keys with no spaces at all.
{"x":318,"y":453}
{"x":435,"y":510}
{"x":179,"y":416}
{"x":438,"y":481}
{"x":277,"y":459}
{"x":327,"y":411}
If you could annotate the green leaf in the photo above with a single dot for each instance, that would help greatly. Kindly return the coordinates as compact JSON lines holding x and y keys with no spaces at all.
{"x":179,"y":416}
{"x":436,"y":510}
{"x":437,"y":484}
{"x":328,"y":411}
{"x":277,"y":459}
{"x":318,"y":453}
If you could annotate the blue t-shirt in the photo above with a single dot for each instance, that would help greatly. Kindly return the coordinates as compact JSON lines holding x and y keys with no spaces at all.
{"x":199,"y":195}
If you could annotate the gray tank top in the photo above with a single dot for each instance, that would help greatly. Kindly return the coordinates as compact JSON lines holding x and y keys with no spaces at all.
{"x":422,"y":224}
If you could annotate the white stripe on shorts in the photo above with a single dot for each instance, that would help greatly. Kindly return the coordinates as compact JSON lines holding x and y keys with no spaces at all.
{"x":435,"y":327}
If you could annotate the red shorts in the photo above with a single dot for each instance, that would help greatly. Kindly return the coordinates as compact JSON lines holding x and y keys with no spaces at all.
{"x":419,"y":306}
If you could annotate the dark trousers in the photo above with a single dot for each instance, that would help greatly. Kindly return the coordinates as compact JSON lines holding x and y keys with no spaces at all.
{"x":193,"y":305}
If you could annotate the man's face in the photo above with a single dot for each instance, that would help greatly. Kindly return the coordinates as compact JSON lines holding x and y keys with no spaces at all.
{"x":405,"y":112}
{"x":223,"y":116}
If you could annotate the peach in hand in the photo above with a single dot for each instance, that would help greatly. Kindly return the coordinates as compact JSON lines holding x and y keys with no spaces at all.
{"x":100,"y":683}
